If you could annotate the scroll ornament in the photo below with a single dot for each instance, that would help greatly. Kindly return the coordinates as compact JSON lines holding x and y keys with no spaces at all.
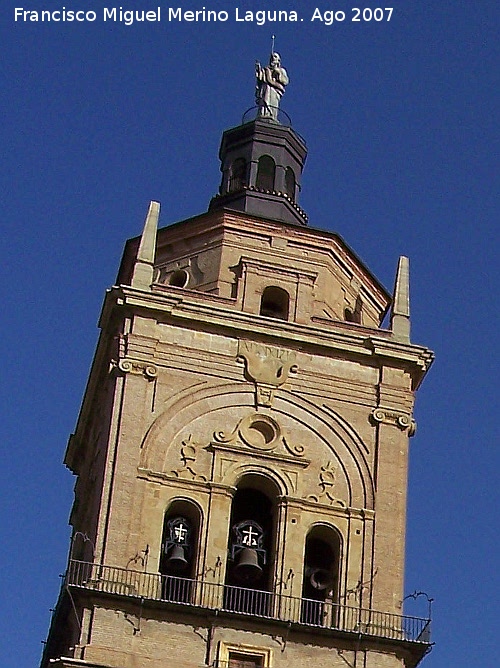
{"x":395,"y":418}
{"x":260,"y":432}
{"x":139,"y":367}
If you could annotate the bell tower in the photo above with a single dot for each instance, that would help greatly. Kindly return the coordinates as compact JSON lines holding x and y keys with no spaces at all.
{"x":261,"y":165}
{"x":242,"y":448}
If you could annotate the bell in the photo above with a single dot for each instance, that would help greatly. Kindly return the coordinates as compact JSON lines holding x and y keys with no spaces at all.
{"x":248,"y":567}
{"x":177,"y":561}
{"x":320,"y":579}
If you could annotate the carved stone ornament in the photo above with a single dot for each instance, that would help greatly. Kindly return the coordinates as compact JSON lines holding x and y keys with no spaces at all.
{"x":326,"y":484}
{"x":188,"y":456}
{"x":260,"y":432}
{"x":139,"y":367}
{"x":396,"y":418}
{"x":268,"y":367}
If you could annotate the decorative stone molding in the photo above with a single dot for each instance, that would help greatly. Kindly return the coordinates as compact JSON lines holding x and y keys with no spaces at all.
{"x":188,"y":456}
{"x":260,"y":432}
{"x":268,"y":367}
{"x":264,"y":395}
{"x":337,"y":509}
{"x":395,"y":418}
{"x":170,"y":479}
{"x":138,"y":367}
{"x":326,"y":484}
{"x":266,"y":364}
{"x":225,"y":649}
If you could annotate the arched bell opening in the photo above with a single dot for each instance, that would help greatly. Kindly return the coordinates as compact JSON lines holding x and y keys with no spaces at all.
{"x":321,"y":577}
{"x":238,"y":178}
{"x":179,"y":550}
{"x":266,"y":173}
{"x":275,"y":303}
{"x":252,"y":530}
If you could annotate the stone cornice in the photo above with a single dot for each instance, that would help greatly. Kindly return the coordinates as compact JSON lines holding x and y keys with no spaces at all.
{"x":265,"y":456}
{"x":329,"y":510}
{"x":172,"y":480}
{"x":200,"y":311}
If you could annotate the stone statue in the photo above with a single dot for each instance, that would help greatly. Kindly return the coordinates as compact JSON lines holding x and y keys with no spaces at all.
{"x":271,"y":82}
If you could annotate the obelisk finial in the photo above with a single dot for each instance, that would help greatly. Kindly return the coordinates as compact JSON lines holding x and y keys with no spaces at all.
{"x":400,"y":312}
{"x":144,"y":262}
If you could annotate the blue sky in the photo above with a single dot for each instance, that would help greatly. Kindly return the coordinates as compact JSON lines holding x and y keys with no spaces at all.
{"x":401,"y":122}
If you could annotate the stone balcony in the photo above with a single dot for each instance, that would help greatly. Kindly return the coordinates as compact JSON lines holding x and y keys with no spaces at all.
{"x":203,"y":595}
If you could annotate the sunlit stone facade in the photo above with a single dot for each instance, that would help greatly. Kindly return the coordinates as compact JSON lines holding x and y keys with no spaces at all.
{"x":242,"y":449}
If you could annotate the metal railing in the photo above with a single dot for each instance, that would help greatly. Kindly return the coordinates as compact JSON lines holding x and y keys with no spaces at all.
{"x":245,"y":601}
{"x":254,"y":113}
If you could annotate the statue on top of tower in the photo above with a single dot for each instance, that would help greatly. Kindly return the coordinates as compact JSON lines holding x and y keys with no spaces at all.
{"x":271,"y":82}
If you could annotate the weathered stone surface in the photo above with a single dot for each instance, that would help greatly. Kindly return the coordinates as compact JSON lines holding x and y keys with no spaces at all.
{"x":193,"y":388}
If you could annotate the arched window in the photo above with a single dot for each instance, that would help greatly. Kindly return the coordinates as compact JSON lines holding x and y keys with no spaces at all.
{"x":238,"y":175}
{"x":275,"y":303}
{"x":290,"y":183}
{"x":266,"y":170}
{"x":252,"y":529}
{"x":179,"y":550}
{"x":321,"y":577}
